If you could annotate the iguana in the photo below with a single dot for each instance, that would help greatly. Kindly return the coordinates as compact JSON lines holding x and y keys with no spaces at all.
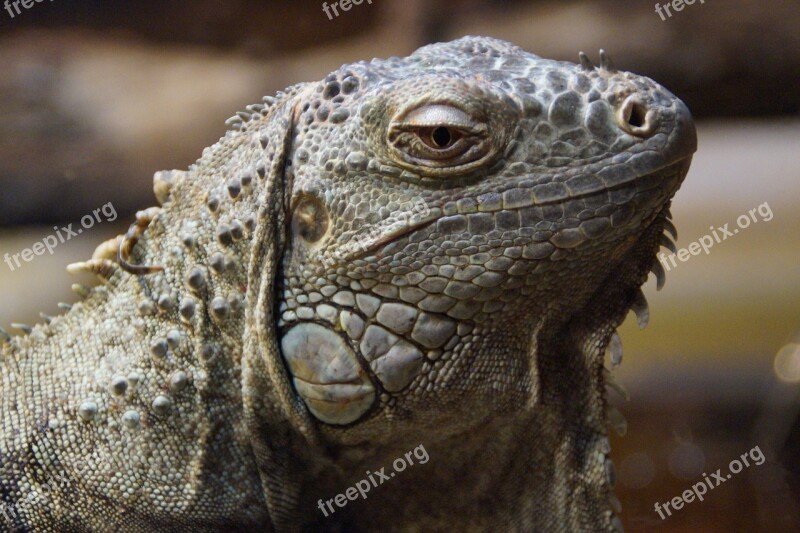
{"x":431,"y":251}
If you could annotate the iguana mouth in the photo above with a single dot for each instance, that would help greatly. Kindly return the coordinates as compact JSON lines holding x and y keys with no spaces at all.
{"x":638,"y":182}
{"x":393,"y":236}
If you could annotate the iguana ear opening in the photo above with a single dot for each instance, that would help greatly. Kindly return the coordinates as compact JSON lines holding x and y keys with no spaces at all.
{"x":277,"y":419}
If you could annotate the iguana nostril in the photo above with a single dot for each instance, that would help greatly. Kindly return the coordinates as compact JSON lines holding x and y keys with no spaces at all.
{"x":636,"y":118}
{"x":310,"y":219}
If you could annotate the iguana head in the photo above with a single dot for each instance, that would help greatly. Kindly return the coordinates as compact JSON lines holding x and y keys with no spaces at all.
{"x":429,"y":249}
{"x":434,"y":248}
{"x":454,"y":211}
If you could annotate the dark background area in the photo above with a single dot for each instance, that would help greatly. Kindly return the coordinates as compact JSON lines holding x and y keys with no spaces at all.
{"x":96,"y":96}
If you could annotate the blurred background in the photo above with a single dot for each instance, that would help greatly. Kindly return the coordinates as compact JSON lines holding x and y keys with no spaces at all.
{"x":96,"y":96}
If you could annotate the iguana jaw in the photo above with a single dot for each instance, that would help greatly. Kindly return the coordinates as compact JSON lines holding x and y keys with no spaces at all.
{"x":398,"y":231}
{"x":562,"y":438}
{"x":323,"y":395}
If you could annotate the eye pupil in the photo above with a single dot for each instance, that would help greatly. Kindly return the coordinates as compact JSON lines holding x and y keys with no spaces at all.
{"x":441,"y":137}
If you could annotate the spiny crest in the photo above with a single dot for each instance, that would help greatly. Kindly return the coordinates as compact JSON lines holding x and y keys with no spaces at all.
{"x":252,"y":111}
{"x":605,"y":61}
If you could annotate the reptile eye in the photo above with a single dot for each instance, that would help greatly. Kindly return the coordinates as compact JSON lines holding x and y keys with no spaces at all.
{"x":441,"y":137}
{"x":438,"y":136}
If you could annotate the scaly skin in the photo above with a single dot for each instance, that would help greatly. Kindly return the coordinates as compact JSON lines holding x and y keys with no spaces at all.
{"x":433,"y":250}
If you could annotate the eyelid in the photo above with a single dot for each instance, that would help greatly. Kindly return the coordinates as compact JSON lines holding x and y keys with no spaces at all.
{"x":436,"y":115}
{"x":470,"y":146}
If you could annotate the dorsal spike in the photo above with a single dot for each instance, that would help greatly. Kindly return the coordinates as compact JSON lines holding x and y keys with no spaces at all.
{"x":670,"y":227}
{"x":661,"y":276}
{"x":605,"y":61}
{"x":108,"y":249}
{"x":163,"y":183}
{"x":22,"y":327}
{"x":615,"y":349}
{"x":667,"y":243}
{"x":616,"y":420}
{"x":642,"y":310}
{"x":46,"y":318}
{"x":255,"y":108}
{"x":143,"y":219}
{"x":586,"y":63}
{"x":80,"y":290}
{"x":614,"y":385}
{"x":103,"y":268}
